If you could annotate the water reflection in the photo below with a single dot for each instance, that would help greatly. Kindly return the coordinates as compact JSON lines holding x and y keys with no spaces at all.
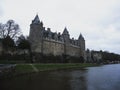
{"x":95,"y":78}
{"x":104,"y":78}
{"x":78,"y":80}
{"x":38,"y":81}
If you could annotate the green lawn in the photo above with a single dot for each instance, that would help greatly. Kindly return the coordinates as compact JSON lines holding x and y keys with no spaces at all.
{"x":23,"y":68}
{"x":43,"y":67}
{"x":27,"y":68}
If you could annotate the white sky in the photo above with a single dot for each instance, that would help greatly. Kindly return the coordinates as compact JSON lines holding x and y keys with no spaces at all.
{"x":97,"y":20}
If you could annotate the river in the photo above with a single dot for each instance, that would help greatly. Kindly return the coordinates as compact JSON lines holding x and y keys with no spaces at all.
{"x":105,"y":77}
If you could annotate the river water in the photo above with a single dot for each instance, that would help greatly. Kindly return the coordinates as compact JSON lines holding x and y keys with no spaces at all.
{"x":106,"y":77}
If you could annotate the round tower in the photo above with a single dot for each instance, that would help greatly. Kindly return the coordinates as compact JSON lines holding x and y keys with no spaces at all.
{"x":66,"y":38}
{"x":81,"y":43}
{"x":35,"y":35}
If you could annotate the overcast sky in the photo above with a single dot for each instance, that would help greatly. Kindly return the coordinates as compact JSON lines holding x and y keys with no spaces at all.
{"x":97,"y":20}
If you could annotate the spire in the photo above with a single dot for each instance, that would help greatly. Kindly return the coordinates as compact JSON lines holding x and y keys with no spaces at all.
{"x":36,"y":20}
{"x":65,"y":31}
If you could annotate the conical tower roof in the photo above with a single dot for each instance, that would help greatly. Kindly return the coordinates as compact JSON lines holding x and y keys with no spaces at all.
{"x":36,"y":20}
{"x":80,"y":36}
{"x":65,"y":31}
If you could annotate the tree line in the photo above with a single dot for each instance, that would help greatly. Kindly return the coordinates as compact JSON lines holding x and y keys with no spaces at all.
{"x":108,"y":56}
{"x":12,"y":38}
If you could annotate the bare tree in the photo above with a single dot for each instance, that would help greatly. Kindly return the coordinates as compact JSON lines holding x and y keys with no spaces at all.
{"x":23,"y":42}
{"x":10,"y":29}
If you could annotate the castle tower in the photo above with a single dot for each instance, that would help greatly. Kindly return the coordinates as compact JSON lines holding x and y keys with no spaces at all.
{"x":81,"y":42}
{"x":66,"y":38}
{"x":35,"y":35}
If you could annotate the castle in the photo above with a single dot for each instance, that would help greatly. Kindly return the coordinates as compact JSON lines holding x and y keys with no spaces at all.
{"x":45,"y":41}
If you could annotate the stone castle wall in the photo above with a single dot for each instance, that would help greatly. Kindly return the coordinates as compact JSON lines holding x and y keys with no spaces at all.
{"x":53,"y":47}
{"x":73,"y":50}
{"x":56,"y":48}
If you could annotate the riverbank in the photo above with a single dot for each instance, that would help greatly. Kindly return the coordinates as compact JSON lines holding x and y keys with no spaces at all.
{"x":22,"y":69}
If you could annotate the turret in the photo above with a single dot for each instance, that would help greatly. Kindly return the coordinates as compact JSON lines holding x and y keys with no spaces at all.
{"x":81,"y":43}
{"x":66,"y":36}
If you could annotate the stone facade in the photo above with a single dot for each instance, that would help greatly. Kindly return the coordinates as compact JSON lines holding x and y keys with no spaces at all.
{"x":47,"y":42}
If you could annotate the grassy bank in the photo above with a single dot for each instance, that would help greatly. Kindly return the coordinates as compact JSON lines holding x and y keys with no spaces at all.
{"x":27,"y":68}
